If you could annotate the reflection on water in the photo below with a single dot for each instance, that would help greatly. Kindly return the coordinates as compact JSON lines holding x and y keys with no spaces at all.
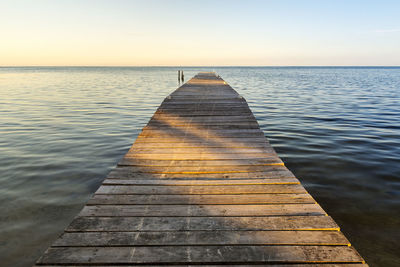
{"x":63,"y":129}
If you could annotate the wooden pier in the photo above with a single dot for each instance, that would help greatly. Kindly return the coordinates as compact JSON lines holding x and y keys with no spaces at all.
{"x":201,"y":185}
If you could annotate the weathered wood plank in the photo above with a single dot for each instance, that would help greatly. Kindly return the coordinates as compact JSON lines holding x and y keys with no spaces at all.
{"x":205,"y":88}
{"x":201,"y":182}
{"x":175,"y":122}
{"x":194,"y":238}
{"x":279,"y":223}
{"x":201,"y":169}
{"x":232,"y":264}
{"x":171,"y":98}
{"x":204,"y":145}
{"x":137,"y":161}
{"x":226,"y":101}
{"x":221,"y":110}
{"x":226,"y":199}
{"x":203,"y":126}
{"x":204,"y":92}
{"x":203,"y":106}
{"x":217,"y":118}
{"x":206,"y":113}
{"x":266,"y":151}
{"x":272,"y":172}
{"x":199,"y":157}
{"x":201,"y":98}
{"x":202,"y":210}
{"x":174,"y":130}
{"x":201,"y":254}
{"x":200,"y":189}
{"x":203,"y":133}
{"x":228,"y":141}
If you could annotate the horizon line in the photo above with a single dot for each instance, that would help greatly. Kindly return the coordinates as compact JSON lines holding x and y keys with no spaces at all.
{"x":188,"y":66}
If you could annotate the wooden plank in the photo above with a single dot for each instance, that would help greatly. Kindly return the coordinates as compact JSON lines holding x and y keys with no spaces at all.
{"x":200,"y":254}
{"x":202,"y":210}
{"x":205,"y":96}
{"x":228,"y":141}
{"x":177,"y":122}
{"x":201,"y":85}
{"x":200,"y":189}
{"x":206,"y":90}
{"x":208,"y":126}
{"x":207,"y":113}
{"x":227,"y":101}
{"x":227,"y":199}
{"x":233,"y":264}
{"x":201,"y":182}
{"x":137,"y":161}
{"x":202,"y":92}
{"x":197,"y":128}
{"x":203,"y":135}
{"x":208,"y":133}
{"x":202,"y":98}
{"x":173,"y":130}
{"x":195,"y":101}
{"x":201,"y":170}
{"x":195,"y":110}
{"x":272,"y":172}
{"x":203,"y":238}
{"x":204,"y":126}
{"x":221,"y":95}
{"x":211,"y":118}
{"x":278,"y":223}
{"x":204,"y":145}
{"x":267,"y":151}
{"x":203,"y":106}
{"x":195,"y":121}
{"x":181,"y":104}
{"x":198,"y":157}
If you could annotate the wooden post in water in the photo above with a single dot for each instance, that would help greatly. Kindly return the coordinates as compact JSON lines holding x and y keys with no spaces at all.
{"x":202,"y":185}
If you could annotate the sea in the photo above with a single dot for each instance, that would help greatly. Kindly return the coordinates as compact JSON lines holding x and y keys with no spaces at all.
{"x":62,"y":129}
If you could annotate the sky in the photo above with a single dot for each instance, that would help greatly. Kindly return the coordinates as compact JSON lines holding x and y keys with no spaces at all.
{"x":199,"y":33}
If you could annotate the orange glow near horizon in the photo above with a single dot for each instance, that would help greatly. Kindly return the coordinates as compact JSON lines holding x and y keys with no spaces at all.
{"x":188,"y":33}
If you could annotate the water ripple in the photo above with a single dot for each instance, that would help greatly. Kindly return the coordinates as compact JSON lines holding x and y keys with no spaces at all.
{"x":63,"y":129}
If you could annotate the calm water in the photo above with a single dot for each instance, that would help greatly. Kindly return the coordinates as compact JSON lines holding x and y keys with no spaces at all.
{"x":63,"y":129}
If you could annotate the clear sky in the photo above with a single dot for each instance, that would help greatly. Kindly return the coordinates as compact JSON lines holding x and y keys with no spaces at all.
{"x":185,"y":32}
